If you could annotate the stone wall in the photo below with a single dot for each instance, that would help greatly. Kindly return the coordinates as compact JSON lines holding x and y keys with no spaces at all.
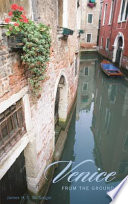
{"x":39,"y":116}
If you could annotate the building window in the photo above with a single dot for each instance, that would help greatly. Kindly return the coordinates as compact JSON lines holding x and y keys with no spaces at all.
{"x":111,"y":12}
{"x":63,"y":13}
{"x":60,"y":12}
{"x":86,"y":71}
{"x":101,"y":10}
{"x":123,"y":11}
{"x":12,"y":127}
{"x":90,"y":18}
{"x":101,"y":43}
{"x":126,"y":12}
{"x":89,"y":37}
{"x":107,"y":43}
{"x":105,"y":11}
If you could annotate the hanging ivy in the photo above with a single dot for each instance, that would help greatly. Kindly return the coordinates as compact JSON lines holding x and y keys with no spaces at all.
{"x":36,"y":44}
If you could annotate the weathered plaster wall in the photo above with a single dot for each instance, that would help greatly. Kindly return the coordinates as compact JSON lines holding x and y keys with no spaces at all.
{"x":91,"y":28}
{"x":40,"y":122}
{"x":62,"y":63}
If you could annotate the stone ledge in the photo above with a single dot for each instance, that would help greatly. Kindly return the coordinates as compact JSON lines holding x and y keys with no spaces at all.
{"x":14,"y":98}
{"x":12,"y":155}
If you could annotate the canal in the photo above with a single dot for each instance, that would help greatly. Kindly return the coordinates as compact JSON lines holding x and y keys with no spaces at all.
{"x":98,"y":133}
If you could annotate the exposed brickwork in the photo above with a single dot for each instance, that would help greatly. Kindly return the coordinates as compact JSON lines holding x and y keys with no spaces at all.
{"x":88,"y":45}
{"x":62,"y":62}
{"x":12,"y":77}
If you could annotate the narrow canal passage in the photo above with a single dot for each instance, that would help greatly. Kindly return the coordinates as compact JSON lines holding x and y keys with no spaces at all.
{"x":98,"y":132}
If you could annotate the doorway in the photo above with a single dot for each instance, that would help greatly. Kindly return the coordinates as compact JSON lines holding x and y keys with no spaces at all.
{"x":61,"y":105}
{"x":118,"y":49}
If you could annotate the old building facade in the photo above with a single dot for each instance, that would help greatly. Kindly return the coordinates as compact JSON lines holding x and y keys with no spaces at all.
{"x":90,"y":24}
{"x":28,"y":127}
{"x":113,"y":40}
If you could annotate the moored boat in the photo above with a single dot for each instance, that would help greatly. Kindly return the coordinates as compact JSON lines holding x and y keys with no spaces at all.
{"x":109,"y":69}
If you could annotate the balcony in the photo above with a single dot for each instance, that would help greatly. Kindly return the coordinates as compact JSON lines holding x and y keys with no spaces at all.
{"x":63,"y":33}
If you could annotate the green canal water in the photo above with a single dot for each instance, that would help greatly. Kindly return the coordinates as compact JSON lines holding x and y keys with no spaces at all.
{"x":98,"y":132}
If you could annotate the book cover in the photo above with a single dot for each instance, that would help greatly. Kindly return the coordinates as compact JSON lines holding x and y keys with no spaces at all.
{"x":63,"y":102}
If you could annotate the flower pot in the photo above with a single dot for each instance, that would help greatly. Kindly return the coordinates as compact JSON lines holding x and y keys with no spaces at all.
{"x":91,"y":5}
{"x":16,"y":41}
{"x":92,"y":1}
{"x":63,"y":33}
{"x":67,"y":31}
{"x":81,"y":31}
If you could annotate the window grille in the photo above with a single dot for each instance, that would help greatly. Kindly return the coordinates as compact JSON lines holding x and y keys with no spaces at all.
{"x":12,"y":127}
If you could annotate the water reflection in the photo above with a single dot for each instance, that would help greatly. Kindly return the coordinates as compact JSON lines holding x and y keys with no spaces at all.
{"x":57,"y":192}
{"x":98,"y":131}
{"x":86,"y":86}
{"x":109,"y":125}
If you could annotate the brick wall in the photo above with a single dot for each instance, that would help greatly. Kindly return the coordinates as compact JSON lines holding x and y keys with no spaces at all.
{"x":41,"y":134}
{"x":12,"y":78}
{"x":112,"y":31}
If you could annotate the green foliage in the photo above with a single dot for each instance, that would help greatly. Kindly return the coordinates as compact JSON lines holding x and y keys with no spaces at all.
{"x":36,"y":48}
{"x":36,"y":52}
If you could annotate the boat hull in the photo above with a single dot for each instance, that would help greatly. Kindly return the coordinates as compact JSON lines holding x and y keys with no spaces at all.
{"x":109,"y":69}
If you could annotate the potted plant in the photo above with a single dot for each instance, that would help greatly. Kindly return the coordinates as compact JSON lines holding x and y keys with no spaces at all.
{"x":91,"y":3}
{"x":15,"y":24}
{"x":35,"y":41}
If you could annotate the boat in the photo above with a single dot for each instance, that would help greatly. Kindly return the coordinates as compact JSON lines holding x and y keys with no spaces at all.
{"x":109,"y":69}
